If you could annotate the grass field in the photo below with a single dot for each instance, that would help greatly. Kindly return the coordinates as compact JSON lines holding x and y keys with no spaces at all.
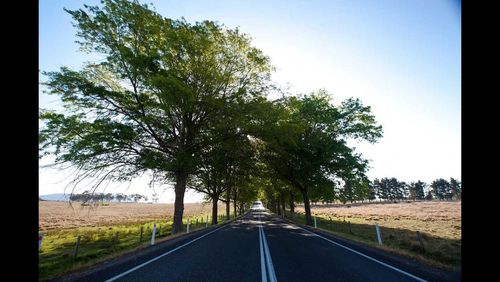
{"x":60,"y":215}
{"x":105,"y":231}
{"x":439,"y":224}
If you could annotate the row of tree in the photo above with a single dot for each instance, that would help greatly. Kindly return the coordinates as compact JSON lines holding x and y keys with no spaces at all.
{"x":188,"y":105}
{"x":88,"y":196}
{"x":392,"y":189}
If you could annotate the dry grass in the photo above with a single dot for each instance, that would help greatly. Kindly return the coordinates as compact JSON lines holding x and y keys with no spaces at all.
{"x":60,"y":215}
{"x":441,"y":219}
{"x":438,"y":222}
{"x":106,"y":231}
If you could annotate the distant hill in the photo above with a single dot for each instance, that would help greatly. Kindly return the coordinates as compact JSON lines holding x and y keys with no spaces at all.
{"x":55,"y":197}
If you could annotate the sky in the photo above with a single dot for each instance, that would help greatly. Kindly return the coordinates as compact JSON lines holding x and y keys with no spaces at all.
{"x":401,"y":57}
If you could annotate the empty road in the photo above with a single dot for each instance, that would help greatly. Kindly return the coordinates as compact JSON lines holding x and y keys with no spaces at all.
{"x":262,"y":247}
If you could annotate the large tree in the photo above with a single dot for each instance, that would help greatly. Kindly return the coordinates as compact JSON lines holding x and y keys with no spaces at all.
{"x":456,"y":188}
{"x":223,"y":166}
{"x":441,"y":189}
{"x":308,"y":147}
{"x":416,"y":190}
{"x":147,"y":106}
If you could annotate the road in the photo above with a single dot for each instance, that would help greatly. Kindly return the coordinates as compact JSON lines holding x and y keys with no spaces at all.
{"x":264,"y":247}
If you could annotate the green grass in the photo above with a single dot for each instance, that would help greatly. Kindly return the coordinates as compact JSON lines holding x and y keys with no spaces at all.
{"x":438,"y":251}
{"x":56,"y":256}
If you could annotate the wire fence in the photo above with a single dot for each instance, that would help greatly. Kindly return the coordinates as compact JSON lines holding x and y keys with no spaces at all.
{"x":65,"y":249}
{"x":441,"y":251}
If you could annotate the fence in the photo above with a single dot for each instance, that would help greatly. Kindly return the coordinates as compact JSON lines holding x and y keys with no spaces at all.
{"x":65,"y":249}
{"x":438,"y":249}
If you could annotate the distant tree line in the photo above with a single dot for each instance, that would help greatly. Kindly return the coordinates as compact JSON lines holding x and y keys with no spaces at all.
{"x":278,"y":195}
{"x":393,"y":190}
{"x":87,"y":197}
{"x":385,"y":189}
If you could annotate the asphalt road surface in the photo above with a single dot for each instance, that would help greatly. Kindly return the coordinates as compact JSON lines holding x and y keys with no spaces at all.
{"x":263,"y":247}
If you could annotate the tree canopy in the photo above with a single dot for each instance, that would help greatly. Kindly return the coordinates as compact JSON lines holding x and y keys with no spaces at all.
{"x":149,"y":105}
{"x":307,"y":145}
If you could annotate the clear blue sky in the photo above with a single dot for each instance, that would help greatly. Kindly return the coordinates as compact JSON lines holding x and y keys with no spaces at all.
{"x":401,"y":57}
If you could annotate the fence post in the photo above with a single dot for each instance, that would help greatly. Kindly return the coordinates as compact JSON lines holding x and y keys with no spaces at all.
{"x":187,"y":231}
{"x":377,"y":228}
{"x":419,"y":238}
{"x":315,"y":223}
{"x":153,"y":235}
{"x":76,"y":247}
{"x":40,"y":237}
{"x":142,"y":231}
{"x":349,"y":223}
{"x":206,"y":223}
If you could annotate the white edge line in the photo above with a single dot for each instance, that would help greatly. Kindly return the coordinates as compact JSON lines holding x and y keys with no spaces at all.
{"x":368,"y":257}
{"x":272,"y":274}
{"x":160,"y":256}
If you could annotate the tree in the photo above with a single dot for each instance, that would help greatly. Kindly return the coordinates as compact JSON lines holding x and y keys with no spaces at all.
{"x":228,"y":160}
{"x":441,"y":189}
{"x":379,"y":189}
{"x":248,"y":192}
{"x":390,"y":189}
{"x":109,"y":197}
{"x":416,"y":190}
{"x":354,"y":190}
{"x":155,"y":197}
{"x":136,"y":197}
{"x":428,"y":197}
{"x":456,"y":188}
{"x":346,"y":193}
{"x":210,"y":179}
{"x":120,"y":197}
{"x":86,"y":197}
{"x":306,"y":145}
{"x":148,"y":105}
{"x":372,"y":192}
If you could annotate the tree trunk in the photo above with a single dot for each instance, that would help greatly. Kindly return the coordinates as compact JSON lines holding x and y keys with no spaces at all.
{"x":278,"y":208}
{"x":283,"y":204}
{"x":307,"y":208}
{"x":241,"y":208}
{"x":292,"y":204}
{"x":235,"y":202}
{"x":214,"y":209}
{"x":180,"y":188}
{"x":228,"y":204}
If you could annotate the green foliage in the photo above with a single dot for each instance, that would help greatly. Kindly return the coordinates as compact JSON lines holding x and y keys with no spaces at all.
{"x":441,"y":189}
{"x":391,"y":189}
{"x":151,"y":105}
{"x":416,"y":190}
{"x":456,"y":188}
{"x":306,"y":143}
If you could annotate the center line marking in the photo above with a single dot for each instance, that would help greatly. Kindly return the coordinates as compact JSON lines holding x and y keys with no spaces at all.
{"x":269,"y":261}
